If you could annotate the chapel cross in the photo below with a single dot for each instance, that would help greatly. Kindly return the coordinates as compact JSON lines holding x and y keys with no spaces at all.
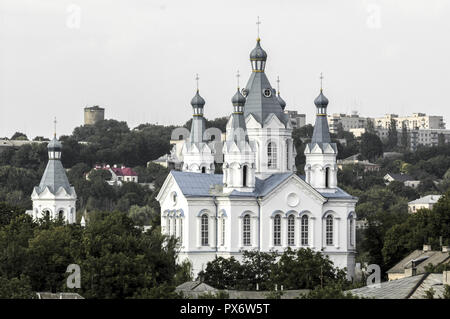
{"x":196,"y":79}
{"x":237,"y":77}
{"x":257,"y":24}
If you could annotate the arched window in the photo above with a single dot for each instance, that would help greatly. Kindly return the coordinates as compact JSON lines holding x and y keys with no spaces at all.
{"x":61,"y":214}
{"x":277,"y":231}
{"x":246,"y":231}
{"x":291,"y":230}
{"x":327,"y":177}
{"x":244,"y":176}
{"x":204,"y":230}
{"x":350,"y":231}
{"x":272,"y":155}
{"x":46,"y":213}
{"x":329,"y":230}
{"x":203,"y":170}
{"x":304,"y":231}
{"x":223,"y":231}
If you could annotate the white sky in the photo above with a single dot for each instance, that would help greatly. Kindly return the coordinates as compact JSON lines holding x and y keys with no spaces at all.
{"x":138,"y":58}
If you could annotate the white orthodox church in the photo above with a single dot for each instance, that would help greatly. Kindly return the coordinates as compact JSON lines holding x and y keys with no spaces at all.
{"x":54,"y":197}
{"x":258,"y":203}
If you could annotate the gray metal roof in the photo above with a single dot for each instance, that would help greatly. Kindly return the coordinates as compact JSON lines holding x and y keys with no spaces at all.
{"x":321,"y":132}
{"x":197,"y":184}
{"x":258,"y":53}
{"x":433,"y":257}
{"x":54,"y":177}
{"x":281,"y":101}
{"x":198,"y":128}
{"x":197,"y":100}
{"x":321,"y":100}
{"x":394,"y":289}
{"x":259,"y":105}
{"x":238,"y":98}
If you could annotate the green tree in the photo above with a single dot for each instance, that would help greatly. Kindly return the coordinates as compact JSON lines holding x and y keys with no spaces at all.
{"x":392,"y":140}
{"x":19,"y":136}
{"x":371,"y":146}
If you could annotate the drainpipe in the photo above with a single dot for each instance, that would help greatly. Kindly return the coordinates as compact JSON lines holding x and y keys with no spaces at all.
{"x":217,"y":222}
{"x":258,"y":201}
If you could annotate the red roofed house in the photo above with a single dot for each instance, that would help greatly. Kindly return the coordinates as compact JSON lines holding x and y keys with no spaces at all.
{"x":119,"y":174}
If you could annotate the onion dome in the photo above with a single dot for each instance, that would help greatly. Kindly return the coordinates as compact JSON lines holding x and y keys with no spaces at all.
{"x":321,"y":101}
{"x":281,"y":101}
{"x":54,"y":145}
{"x":258,"y":53}
{"x":197,"y":100}
{"x":238,"y":99}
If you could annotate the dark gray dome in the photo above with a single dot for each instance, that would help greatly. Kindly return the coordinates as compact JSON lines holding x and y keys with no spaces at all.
{"x":238,"y":99}
{"x":258,"y":53}
{"x":281,"y":101}
{"x":321,"y":100}
{"x":54,"y":144}
{"x":197,"y":100}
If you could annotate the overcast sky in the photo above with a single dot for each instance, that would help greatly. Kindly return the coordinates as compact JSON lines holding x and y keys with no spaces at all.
{"x":138,"y":59}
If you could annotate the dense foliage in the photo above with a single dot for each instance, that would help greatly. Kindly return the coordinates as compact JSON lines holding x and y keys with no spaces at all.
{"x":293,"y":269}
{"x":117,"y":259}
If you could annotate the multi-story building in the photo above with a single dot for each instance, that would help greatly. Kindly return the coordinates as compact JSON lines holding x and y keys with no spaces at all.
{"x":415,"y":122}
{"x":348,"y":122}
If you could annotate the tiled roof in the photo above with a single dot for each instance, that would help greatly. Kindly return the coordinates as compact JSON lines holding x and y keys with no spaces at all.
{"x":123,"y":171}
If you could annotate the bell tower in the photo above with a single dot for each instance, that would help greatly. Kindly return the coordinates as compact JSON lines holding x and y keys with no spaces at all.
{"x":320,"y":167}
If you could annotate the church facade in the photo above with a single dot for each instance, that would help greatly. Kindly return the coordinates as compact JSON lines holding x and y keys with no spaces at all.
{"x":259,"y":202}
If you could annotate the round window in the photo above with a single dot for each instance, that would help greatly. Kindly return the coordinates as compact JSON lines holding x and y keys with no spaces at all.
{"x":244,"y":92}
{"x":267,"y":92}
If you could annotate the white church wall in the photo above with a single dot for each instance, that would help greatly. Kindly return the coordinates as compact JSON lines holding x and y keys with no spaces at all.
{"x":289,"y":198}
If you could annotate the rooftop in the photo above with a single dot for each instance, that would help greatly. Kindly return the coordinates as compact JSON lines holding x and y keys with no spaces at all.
{"x":429,"y":199}
{"x":422,"y":258}
{"x":413,"y":287}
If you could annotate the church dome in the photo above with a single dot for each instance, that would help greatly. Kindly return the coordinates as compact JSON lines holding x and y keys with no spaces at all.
{"x":258,"y":53}
{"x":54,"y":145}
{"x":238,"y":99}
{"x":281,"y":101}
{"x":197,"y":100}
{"x":321,"y":100}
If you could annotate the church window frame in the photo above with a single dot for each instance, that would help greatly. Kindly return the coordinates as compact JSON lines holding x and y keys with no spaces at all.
{"x":291,"y":230}
{"x":246,"y":230}
{"x":272,"y":155}
{"x":204,"y":230}
{"x":304,"y":230}
{"x":277,"y":230}
{"x":329,"y":230}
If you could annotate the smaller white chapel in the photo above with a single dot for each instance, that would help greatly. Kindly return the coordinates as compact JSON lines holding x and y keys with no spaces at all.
{"x":259,"y":202}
